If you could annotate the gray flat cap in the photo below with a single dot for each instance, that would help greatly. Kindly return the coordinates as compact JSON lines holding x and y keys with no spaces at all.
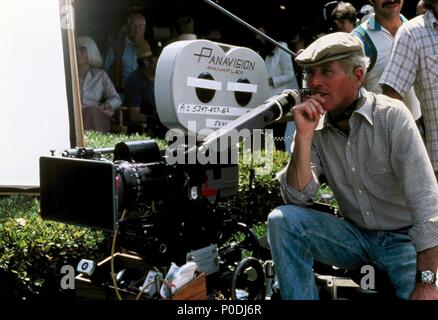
{"x":333,"y":46}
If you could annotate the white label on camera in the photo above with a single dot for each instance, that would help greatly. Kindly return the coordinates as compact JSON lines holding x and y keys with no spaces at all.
{"x":204,"y":83}
{"x":216,"y":123}
{"x":211,"y":110}
{"x":242,"y":87}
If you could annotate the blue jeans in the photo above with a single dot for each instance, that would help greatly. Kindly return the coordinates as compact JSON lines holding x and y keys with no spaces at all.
{"x":297,"y":236}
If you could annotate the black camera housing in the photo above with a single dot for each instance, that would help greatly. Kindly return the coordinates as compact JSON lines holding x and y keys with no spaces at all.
{"x":168,"y":214}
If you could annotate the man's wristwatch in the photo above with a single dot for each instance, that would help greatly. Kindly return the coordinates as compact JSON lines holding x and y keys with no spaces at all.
{"x":426,"y":277}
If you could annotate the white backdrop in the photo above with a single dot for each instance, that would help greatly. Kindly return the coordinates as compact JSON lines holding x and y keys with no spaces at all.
{"x":33,"y":99}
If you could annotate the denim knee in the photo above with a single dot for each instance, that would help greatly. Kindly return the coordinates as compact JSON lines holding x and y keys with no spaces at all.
{"x":277,"y":216}
{"x":286,"y":217}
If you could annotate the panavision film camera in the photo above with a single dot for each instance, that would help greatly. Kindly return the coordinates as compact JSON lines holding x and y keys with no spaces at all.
{"x":170,"y":200}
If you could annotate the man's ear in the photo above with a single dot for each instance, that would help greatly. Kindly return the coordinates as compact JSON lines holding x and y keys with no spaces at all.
{"x":358,"y":76}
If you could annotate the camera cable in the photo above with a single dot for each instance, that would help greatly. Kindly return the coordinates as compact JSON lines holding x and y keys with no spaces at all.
{"x":113,"y":249}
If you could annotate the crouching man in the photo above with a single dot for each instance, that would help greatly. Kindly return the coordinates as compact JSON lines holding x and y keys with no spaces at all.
{"x":373,"y":157}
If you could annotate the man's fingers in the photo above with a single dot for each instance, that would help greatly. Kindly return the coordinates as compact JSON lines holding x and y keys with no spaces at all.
{"x":317,"y":101}
{"x":312,"y":112}
{"x":311,"y":108}
{"x":318,"y":107}
{"x":318,"y":97}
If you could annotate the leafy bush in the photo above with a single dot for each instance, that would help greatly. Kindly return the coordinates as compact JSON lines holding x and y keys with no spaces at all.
{"x":258,"y":194}
{"x":32,"y":251}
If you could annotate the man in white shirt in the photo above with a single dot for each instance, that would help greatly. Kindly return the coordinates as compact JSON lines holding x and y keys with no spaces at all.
{"x":377,"y":35}
{"x":281,"y":76}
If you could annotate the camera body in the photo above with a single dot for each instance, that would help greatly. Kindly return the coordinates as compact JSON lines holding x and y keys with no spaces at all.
{"x":169,"y":213}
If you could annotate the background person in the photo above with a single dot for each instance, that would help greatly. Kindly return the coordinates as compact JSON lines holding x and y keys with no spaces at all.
{"x":121,"y":58}
{"x":344,"y":17}
{"x":414,"y":62}
{"x":99,"y":98}
{"x":281,"y":76}
{"x":377,"y":36}
{"x":140,"y":95}
{"x":421,"y":8}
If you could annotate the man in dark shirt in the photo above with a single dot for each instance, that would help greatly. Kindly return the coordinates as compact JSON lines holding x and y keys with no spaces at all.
{"x":139,"y":93}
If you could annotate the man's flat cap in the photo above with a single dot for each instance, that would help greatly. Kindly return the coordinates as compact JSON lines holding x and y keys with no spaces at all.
{"x":333,"y":46}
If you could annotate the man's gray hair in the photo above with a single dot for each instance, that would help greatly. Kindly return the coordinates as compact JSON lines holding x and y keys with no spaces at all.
{"x":355,"y":61}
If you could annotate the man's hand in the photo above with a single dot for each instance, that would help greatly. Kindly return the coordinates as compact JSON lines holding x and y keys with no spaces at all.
{"x":424,"y":292}
{"x":308,"y":114}
{"x":106,"y":107}
{"x":306,"y":117}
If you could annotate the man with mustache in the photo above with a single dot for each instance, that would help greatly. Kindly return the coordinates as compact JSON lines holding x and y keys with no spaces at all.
{"x":373,"y":157}
{"x":121,"y":58}
{"x":414,"y":62}
{"x":377,"y":35}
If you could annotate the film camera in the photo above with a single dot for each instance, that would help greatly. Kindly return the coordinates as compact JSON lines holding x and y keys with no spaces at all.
{"x":171,"y":199}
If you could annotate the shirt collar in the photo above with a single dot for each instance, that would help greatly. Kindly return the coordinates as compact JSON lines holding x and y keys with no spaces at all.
{"x":374,"y":25}
{"x":129,"y":42}
{"x":430,"y":18}
{"x":364,"y":108}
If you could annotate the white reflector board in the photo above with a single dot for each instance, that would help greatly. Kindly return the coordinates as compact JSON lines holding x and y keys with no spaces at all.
{"x":33,"y":97}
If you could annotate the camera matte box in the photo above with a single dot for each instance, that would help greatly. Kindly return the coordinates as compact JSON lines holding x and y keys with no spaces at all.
{"x":78,"y":191}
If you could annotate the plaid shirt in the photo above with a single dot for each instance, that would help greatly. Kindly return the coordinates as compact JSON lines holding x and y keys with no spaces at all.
{"x":414,"y":61}
{"x":380,"y":173}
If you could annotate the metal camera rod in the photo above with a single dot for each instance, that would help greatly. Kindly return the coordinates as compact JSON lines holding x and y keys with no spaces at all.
{"x":85,"y":153}
{"x":145,"y":151}
{"x":259,"y":117}
{"x":250,"y":27}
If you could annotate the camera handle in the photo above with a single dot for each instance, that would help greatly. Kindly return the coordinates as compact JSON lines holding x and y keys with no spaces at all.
{"x":272,"y":110}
